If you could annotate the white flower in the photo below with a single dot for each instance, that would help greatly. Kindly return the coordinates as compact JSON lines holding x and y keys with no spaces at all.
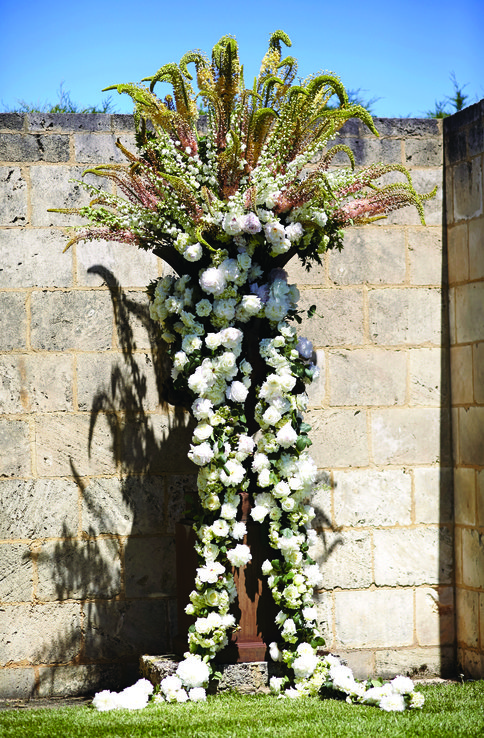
{"x":170,"y":684}
{"x":294,"y":231}
{"x":313,"y":575}
{"x":201,"y":454}
{"x":402,"y":685}
{"x":202,"y":409}
{"x":259,"y":512}
{"x":274,"y":652}
{"x":305,"y":348}
{"x":193,"y":252}
{"x":264,"y":478}
{"x":232,"y":224}
{"x":233,"y":473}
{"x":266,"y":567}
{"x":392,"y":702}
{"x":211,"y":572}
{"x":228,"y":511}
{"x":105,"y":700}
{"x":197,"y":694}
{"x":134,"y":697}
{"x":276,"y":684}
{"x":416,"y":700}
{"x":250,"y":223}
{"x":237,"y":392}
{"x":220,"y":528}
{"x":231,"y":337}
{"x":240,"y":555}
{"x":260,"y":462}
{"x":203,"y":308}
{"x":304,"y":665}
{"x":202,"y":431}
{"x":191,"y":343}
{"x":239,"y":530}
{"x":245,"y":444}
{"x":288,"y":629}
{"x":286,"y":436}
{"x":213,"y":281}
{"x":271,"y":415}
{"x":193,"y":672}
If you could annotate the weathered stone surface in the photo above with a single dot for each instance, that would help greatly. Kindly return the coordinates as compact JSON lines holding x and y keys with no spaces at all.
{"x":368,"y":150}
{"x":435,"y":616}
{"x":469,"y":307}
{"x":246,"y":678}
{"x":62,"y":446}
{"x":457,"y":244}
{"x":471,"y":429}
{"x":13,"y":321}
{"x":102,"y":262}
{"x":473,"y":558}
{"x":424,"y":152}
{"x":40,"y":634}
{"x":71,"y":320}
{"x":17,"y":683}
{"x":297,"y":274}
{"x":97,"y":149}
{"x":339,"y":438}
{"x":13,"y":197}
{"x":467,"y":608}
{"x":425,"y":255}
{"x":85,"y":679}
{"x":412,"y":556}
{"x":428,"y":379}
{"x":461,"y":375}
{"x":433,"y":495}
{"x":179,"y":488}
{"x":149,"y":567}
{"x":406,"y":436}
{"x":338,"y":320}
{"x":367,"y":377}
{"x":12,"y":121}
{"x":76,"y":570}
{"x":476,"y":248}
{"x":360,"y":662}
{"x":32,"y":258}
{"x":465,"y":496}
{"x":480,"y":500}
{"x":118,"y":382}
{"x":415,"y":662}
{"x":35,"y":383}
{"x":467,"y":189}
{"x":478,"y":363}
{"x":15,"y":444}
{"x":379,"y":618}
{"x":69,"y":121}
{"x":410,"y":316}
{"x":372,"y":498}
{"x":119,"y":629}
{"x":30,"y":147}
{"x":344,"y":559}
{"x":38,"y":508}
{"x":370,"y":256}
{"x":15,"y":573}
{"x":316,"y":391}
{"x":137,"y":325}
{"x":52,"y":188}
{"x":157,"y":445}
{"x":105,"y":507}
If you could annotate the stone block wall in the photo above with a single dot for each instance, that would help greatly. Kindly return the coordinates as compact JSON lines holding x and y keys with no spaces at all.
{"x":464,"y":160}
{"x":94,"y":466}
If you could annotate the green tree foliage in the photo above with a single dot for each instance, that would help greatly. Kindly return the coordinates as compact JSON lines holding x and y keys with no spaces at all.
{"x":63,"y":105}
{"x":457,"y":101}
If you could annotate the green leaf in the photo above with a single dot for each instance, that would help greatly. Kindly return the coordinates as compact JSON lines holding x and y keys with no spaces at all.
{"x":311,"y":311}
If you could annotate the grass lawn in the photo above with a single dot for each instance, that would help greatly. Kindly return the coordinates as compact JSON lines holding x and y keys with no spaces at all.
{"x":450,"y":710}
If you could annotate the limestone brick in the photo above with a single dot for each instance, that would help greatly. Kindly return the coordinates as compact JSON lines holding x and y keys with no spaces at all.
{"x":415,"y":662}
{"x":405,"y":317}
{"x":107,"y":262}
{"x":379,"y":618}
{"x":49,"y":633}
{"x":461,"y":375}
{"x":13,"y":321}
{"x":367,"y":377}
{"x":338,"y":320}
{"x":457,"y":244}
{"x":17,"y":683}
{"x":13,"y":197}
{"x":15,"y":573}
{"x":329,"y":427}
{"x":413,"y":556}
{"x":473,"y":558}
{"x":150,"y":567}
{"x":406,"y":436}
{"x":467,"y":189}
{"x":345,"y":559}
{"x":467,"y":608}
{"x":372,"y":498}
{"x":425,"y":255}
{"x":469,"y":308}
{"x":478,"y":371}
{"x":428,"y":378}
{"x":35,"y":383}
{"x":471,"y":428}
{"x":52,"y":188}
{"x":38,"y":508}
{"x":75,"y":570}
{"x":435,"y":616}
{"x":370,"y":255}
{"x":433,"y":495}
{"x":476,"y":248}
{"x":465,"y":495}
{"x":15,"y":459}
{"x":71,"y":320}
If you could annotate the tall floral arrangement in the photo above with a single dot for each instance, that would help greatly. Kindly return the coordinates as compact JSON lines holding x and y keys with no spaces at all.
{"x":226,"y":206}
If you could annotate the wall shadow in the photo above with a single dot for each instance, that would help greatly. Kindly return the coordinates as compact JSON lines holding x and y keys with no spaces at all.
{"x":117,"y":573}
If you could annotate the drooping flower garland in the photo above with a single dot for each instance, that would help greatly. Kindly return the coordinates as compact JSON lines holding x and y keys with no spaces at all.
{"x":227,"y":209}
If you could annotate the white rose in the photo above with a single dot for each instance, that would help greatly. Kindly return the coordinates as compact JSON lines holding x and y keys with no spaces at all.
{"x":213,"y":281}
{"x":240,"y":555}
{"x":286,"y":436}
{"x":237,"y":392}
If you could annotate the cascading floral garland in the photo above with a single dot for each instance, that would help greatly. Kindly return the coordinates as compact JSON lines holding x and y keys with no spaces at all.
{"x":227,"y":208}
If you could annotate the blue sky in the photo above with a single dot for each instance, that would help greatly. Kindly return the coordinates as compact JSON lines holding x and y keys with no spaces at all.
{"x":402,"y":53}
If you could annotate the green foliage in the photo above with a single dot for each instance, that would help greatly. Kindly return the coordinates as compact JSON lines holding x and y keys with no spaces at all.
{"x":450,"y":711}
{"x":457,"y":101}
{"x":63,"y":105}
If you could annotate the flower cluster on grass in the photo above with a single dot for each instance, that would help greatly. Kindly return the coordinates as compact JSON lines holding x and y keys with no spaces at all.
{"x":227,"y":209}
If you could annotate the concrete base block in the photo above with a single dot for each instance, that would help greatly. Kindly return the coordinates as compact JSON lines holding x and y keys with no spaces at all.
{"x":246,"y":678}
